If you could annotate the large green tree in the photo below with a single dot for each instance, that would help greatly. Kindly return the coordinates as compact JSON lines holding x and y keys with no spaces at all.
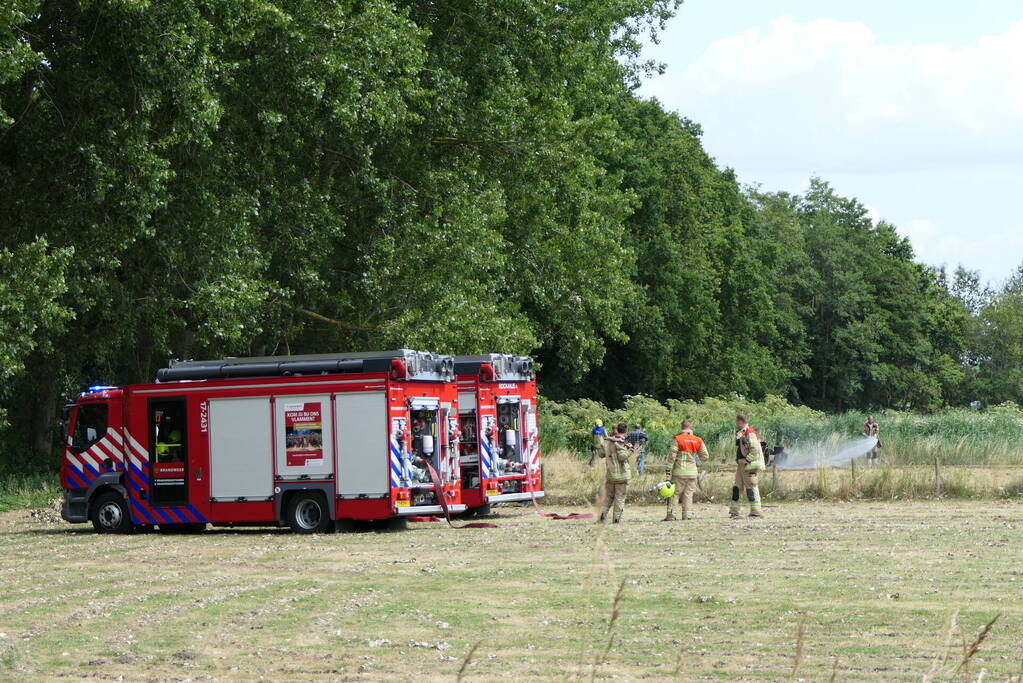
{"x":261,"y":177}
{"x":696,"y":321}
{"x":881,"y":329}
{"x":996,"y":350}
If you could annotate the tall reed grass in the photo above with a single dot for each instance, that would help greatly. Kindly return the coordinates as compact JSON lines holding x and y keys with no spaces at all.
{"x":962,"y":437}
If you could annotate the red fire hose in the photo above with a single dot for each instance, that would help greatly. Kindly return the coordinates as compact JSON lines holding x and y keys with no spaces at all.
{"x":551,"y":515}
{"x":439,"y":489}
{"x":442,"y":499}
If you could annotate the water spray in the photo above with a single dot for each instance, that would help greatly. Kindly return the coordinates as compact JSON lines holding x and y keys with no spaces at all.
{"x":821,"y":454}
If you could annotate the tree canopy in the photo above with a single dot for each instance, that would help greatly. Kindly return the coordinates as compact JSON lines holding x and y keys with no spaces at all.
{"x":213,"y":177}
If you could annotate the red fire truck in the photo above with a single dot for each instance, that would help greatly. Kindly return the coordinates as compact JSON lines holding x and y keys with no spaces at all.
{"x":302,"y":441}
{"x":499,"y":444}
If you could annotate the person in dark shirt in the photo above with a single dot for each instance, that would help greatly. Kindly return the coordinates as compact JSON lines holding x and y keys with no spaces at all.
{"x":638,"y":439}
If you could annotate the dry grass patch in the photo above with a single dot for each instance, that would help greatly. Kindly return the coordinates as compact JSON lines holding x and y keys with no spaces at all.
{"x":569,"y":480}
{"x":875,"y":586}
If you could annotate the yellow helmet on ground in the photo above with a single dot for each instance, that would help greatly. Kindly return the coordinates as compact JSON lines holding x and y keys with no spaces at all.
{"x":665,"y":489}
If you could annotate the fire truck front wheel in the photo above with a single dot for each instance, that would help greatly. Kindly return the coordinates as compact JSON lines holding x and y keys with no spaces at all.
{"x":109,"y":514}
{"x":307,"y":514}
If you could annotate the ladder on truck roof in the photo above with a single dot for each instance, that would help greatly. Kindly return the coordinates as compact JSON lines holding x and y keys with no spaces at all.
{"x":402,"y":363}
{"x":506,"y":366}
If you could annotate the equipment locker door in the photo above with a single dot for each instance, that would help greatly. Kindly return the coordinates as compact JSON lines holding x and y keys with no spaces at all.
{"x":469,"y":441}
{"x":305,"y":437}
{"x":363,"y":462}
{"x":241,"y":457}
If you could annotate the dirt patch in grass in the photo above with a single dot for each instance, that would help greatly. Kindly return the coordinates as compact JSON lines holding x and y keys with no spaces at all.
{"x":876,"y":584}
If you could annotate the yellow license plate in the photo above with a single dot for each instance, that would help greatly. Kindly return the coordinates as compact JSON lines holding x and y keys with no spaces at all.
{"x":404,"y":503}
{"x":492,"y":492}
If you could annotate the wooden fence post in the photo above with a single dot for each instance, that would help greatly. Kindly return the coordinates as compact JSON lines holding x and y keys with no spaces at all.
{"x":937,"y":478}
{"x":774,"y":476}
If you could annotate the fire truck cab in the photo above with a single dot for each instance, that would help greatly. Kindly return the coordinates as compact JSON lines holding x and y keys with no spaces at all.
{"x":301,"y":441}
{"x":499,"y":445}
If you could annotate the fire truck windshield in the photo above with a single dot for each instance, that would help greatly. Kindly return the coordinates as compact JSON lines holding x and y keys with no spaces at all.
{"x":90,"y":425}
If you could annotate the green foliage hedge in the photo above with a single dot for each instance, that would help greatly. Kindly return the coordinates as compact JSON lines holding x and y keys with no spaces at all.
{"x":955,"y":436}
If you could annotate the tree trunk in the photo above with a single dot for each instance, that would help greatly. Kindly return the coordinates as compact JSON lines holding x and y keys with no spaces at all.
{"x":43,"y":418}
{"x":141,"y":371}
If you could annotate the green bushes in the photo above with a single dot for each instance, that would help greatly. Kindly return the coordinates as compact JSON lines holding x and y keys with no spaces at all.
{"x":965,"y":437}
{"x":18,"y":491}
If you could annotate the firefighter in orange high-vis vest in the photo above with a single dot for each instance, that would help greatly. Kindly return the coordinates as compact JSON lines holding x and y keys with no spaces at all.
{"x":616,"y":453}
{"x":687,"y":451}
{"x":749,"y":463}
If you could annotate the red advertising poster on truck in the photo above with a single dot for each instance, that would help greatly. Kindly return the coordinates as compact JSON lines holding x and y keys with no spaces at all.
{"x":303,"y":428}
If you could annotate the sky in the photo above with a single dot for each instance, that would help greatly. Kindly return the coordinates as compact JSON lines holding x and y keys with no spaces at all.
{"x":915,"y":108}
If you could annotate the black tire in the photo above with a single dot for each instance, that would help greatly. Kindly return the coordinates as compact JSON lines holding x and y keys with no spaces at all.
{"x":483,"y":511}
{"x":110,"y":515}
{"x":307,"y":514}
{"x":196,"y":528}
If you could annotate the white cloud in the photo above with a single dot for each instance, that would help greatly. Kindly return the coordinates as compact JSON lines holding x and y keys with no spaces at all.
{"x":930,"y":135}
{"x":872,"y":213}
{"x":792,"y":87}
{"x":1000,"y":251}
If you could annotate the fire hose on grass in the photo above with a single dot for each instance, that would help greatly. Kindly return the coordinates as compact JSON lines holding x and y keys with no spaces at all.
{"x":551,"y":515}
{"x":442,"y":500}
{"x":439,"y":489}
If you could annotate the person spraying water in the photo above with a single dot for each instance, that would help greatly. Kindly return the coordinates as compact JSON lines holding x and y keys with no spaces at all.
{"x":871,"y":430}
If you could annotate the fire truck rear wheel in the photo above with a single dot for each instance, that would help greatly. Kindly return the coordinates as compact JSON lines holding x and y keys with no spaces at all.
{"x":483,"y":511}
{"x":110,"y":515}
{"x":307,"y":514}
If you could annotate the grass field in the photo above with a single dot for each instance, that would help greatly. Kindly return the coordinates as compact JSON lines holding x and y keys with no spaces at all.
{"x":875,"y":586}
